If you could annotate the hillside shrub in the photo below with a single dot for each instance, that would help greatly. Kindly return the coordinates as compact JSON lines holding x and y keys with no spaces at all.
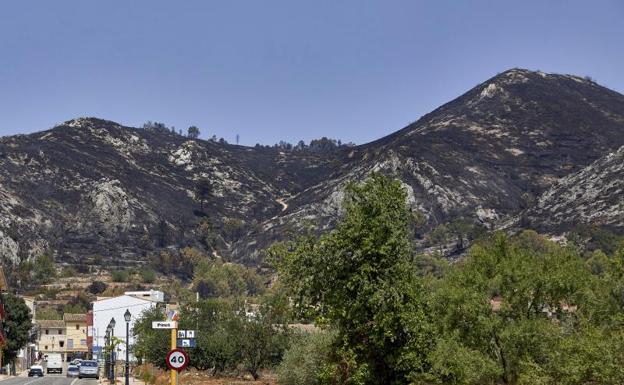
{"x":120,"y":276}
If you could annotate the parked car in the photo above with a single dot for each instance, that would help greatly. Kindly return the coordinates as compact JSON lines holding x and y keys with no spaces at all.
{"x":72,"y":370}
{"x":76,"y":362}
{"x":89,"y":368}
{"x":35,"y":370}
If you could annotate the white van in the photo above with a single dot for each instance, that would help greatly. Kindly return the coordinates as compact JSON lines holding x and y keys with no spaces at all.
{"x":54,"y":363}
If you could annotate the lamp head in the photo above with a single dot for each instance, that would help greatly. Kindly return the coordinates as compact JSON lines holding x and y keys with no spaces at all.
{"x":127,"y":315}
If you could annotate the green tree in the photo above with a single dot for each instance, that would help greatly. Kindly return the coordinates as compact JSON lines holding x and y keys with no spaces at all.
{"x":44,"y":270}
{"x":97,"y":287}
{"x":360,"y":278}
{"x":216,"y":344}
{"x":505,"y":308}
{"x":17,"y":325}
{"x":214,"y":278}
{"x":193,"y":132}
{"x":263,"y":336}
{"x":305,"y":359}
{"x":151,"y":344}
{"x":120,"y":276}
{"x":148,"y":275}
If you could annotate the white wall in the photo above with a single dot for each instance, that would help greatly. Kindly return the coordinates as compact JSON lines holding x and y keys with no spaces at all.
{"x":106,"y":309}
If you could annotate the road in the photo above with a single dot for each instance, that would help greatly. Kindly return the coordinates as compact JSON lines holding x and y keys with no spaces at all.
{"x":49,"y":379}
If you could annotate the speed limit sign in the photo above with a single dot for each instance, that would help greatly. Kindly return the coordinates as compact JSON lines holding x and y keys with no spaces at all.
{"x":177,"y":359}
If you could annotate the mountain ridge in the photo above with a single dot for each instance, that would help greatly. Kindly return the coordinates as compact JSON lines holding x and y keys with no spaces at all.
{"x":92,"y":187}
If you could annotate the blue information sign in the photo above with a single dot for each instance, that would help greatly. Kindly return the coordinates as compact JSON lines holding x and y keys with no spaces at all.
{"x":186,"y":343}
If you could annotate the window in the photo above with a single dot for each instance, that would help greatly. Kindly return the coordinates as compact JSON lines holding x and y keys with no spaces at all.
{"x":83,"y":342}
{"x":47,"y":332}
{"x":61,"y":343}
{"x":60,"y":331}
{"x":77,"y":327}
{"x":70,"y":343}
{"x":46,"y":347}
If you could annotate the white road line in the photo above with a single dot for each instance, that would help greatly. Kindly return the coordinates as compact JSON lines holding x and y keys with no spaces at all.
{"x":74,"y":381}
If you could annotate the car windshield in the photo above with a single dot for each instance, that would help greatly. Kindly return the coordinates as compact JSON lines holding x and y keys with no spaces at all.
{"x":88,"y":363}
{"x":72,"y":368}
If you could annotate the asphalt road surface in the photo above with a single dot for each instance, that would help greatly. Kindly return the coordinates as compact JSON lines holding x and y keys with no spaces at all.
{"x":49,"y":379}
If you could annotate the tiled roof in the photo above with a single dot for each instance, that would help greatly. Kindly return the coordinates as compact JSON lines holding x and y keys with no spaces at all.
{"x":75,"y":317}
{"x":50,"y":323}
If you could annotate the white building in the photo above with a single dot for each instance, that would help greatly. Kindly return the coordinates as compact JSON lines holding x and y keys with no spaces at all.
{"x":105,"y":309}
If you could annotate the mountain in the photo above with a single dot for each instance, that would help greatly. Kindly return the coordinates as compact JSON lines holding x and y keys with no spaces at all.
{"x":594,"y":195}
{"x":93,"y":191}
{"x":486,"y":155}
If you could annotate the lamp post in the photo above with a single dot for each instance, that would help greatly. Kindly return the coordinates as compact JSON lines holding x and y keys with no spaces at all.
{"x":107,"y":359}
{"x":112,"y":326}
{"x":127,"y":317}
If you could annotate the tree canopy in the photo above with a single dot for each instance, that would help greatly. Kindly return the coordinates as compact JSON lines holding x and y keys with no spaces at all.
{"x":514,"y":310}
{"x":360,"y":279}
{"x":16,"y":325}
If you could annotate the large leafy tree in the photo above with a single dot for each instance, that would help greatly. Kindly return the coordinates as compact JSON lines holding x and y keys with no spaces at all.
{"x":360,"y":279}
{"x":151,"y":344}
{"x":515,"y":311}
{"x":17,"y":325}
{"x":216,"y":343}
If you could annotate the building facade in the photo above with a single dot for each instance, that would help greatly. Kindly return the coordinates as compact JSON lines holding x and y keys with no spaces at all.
{"x":76,"y":336}
{"x":108,"y":308}
{"x":51,"y":337}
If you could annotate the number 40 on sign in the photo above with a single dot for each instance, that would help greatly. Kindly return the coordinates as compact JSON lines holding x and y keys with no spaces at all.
{"x":177,"y":359}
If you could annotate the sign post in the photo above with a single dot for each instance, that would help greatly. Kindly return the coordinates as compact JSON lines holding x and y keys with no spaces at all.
{"x":177,"y":359}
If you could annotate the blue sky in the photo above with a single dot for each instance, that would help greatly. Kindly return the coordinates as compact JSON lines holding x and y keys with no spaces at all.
{"x":275,"y":70}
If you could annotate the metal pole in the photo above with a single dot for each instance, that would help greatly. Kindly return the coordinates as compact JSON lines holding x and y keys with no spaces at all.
{"x":127,"y":353}
{"x":106,"y":358}
{"x":174,"y":373}
{"x":112,"y":380}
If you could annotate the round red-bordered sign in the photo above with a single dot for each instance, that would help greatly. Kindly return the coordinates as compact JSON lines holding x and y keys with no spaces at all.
{"x":177,"y":359}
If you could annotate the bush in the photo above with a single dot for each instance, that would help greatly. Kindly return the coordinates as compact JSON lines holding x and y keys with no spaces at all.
{"x":47,"y":313}
{"x":305,"y":358}
{"x":120,"y":275}
{"x":148,"y":275}
{"x":97,"y":287}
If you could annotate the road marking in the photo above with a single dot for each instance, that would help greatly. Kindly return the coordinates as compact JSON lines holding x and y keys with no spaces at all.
{"x":74,"y":381}
{"x":36,"y":379}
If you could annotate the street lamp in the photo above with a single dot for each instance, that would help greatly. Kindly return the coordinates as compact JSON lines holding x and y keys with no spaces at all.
{"x":107,"y":346}
{"x":112,"y":327}
{"x":127,"y":317}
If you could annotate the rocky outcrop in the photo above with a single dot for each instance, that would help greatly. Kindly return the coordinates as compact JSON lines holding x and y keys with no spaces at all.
{"x":594,"y":195}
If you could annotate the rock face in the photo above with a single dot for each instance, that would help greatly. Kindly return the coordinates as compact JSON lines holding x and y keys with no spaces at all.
{"x":91,"y":188}
{"x":594,"y":195}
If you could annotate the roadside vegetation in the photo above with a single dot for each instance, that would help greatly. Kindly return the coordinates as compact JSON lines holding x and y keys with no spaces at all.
{"x":516,"y":309}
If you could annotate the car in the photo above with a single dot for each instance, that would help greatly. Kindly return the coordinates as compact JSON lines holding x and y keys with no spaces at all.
{"x":35,"y":370}
{"x":72,"y":370}
{"x":89,"y":368}
{"x":76,"y":362}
